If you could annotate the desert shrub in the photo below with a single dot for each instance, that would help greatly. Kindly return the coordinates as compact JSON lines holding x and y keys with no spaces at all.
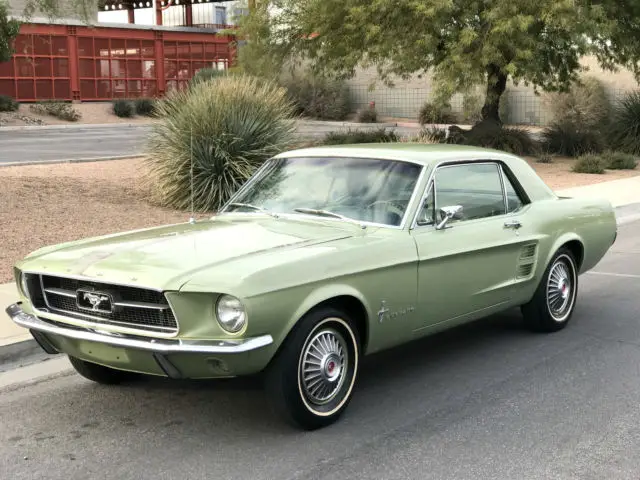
{"x":225,"y":129}
{"x":124,"y":108}
{"x":590,"y":163}
{"x":318,"y":97}
{"x":570,"y":140}
{"x":509,"y":139}
{"x":145,"y":106}
{"x":620,"y":161}
{"x":624,"y":133}
{"x":427,"y":135}
{"x":61,"y":110}
{"x":367,"y":115}
{"x":360,"y":136}
{"x":544,"y":157}
{"x":8,"y":104}
{"x":586,"y":105}
{"x":435,"y":112}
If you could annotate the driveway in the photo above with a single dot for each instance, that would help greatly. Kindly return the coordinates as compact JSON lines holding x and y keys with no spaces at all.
{"x":486,"y":401}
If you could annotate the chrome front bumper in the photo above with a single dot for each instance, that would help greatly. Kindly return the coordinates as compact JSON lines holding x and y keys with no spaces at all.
{"x":156,"y":345}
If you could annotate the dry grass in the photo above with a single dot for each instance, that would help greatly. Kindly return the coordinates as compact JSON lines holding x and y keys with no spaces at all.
{"x":49,"y":204}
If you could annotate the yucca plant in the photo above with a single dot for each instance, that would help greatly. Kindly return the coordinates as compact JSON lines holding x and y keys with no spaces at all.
{"x":226,"y":128}
{"x":624,"y":132}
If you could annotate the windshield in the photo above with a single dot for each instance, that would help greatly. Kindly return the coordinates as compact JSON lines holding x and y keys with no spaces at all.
{"x":366,"y":190}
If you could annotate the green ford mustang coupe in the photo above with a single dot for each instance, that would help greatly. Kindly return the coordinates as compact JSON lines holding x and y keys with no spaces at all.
{"x":325,"y":255}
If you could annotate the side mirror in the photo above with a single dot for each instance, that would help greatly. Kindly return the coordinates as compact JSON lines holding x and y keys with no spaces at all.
{"x":447,"y":213}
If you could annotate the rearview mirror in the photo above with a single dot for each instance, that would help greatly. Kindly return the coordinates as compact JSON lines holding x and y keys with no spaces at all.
{"x":448,"y":213}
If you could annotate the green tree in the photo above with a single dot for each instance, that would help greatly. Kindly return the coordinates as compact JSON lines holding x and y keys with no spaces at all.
{"x":460,"y":43}
{"x":9,"y":29}
{"x":52,"y":9}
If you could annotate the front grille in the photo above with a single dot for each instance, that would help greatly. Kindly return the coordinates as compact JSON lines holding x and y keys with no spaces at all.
{"x":132,"y":307}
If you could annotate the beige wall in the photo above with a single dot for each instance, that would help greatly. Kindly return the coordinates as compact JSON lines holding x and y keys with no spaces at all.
{"x":523,"y":106}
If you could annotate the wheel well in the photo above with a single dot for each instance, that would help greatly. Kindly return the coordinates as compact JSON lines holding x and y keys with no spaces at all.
{"x":577,"y":249}
{"x":356,"y":311}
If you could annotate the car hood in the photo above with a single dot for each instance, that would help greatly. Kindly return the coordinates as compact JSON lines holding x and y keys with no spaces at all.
{"x":166,"y":257}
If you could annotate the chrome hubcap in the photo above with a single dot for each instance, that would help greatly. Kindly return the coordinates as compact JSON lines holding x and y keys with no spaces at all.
{"x":324,"y":362}
{"x":560,"y":289}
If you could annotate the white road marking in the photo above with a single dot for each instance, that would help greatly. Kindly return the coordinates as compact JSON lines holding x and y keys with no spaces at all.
{"x":610,"y":274}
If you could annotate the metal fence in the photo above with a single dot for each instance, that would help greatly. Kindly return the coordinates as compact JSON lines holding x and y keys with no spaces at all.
{"x":521,"y":106}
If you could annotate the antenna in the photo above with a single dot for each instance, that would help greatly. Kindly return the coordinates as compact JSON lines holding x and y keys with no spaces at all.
{"x":192,"y":219}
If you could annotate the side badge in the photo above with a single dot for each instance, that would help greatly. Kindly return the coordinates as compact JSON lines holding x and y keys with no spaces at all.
{"x":383,"y":311}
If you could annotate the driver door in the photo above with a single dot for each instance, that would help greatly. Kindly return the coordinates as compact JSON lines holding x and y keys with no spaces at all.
{"x":468,"y":267}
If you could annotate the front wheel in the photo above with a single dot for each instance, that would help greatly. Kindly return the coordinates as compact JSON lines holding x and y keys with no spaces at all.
{"x":552,"y":305}
{"x":311,"y":380}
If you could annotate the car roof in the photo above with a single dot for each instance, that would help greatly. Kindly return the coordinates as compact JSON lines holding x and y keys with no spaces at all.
{"x":420,"y":153}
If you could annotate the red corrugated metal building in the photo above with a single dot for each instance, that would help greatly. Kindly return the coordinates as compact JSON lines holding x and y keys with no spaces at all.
{"x":75,"y":61}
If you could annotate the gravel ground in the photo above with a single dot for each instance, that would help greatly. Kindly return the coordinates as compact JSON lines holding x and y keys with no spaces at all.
{"x":92,"y":113}
{"x":48,"y":204}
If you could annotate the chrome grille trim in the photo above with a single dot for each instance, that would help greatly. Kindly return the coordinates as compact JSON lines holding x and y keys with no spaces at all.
{"x":144,"y":310}
{"x":131,"y":304}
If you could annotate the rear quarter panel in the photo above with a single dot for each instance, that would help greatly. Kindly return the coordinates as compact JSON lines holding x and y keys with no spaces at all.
{"x":557,"y":221}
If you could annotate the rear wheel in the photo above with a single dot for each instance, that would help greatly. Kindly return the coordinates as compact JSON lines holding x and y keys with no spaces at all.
{"x":98,"y":373}
{"x":552,"y":305}
{"x":311,"y":380}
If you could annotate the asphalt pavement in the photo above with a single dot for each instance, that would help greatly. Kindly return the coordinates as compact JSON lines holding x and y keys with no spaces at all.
{"x":489,"y":400}
{"x":37,"y":144}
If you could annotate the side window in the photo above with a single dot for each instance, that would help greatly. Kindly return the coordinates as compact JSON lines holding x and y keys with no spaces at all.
{"x":514,"y":202}
{"x":475,"y":187}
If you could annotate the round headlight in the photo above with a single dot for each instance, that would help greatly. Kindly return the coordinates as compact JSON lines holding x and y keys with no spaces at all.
{"x":231,"y":314}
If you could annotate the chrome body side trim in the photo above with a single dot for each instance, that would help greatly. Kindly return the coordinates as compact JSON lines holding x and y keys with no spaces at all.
{"x":162,"y":346}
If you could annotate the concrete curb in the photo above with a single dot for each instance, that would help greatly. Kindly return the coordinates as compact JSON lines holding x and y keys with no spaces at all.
{"x":70,"y":160}
{"x":71,"y":127}
{"x":20,"y":351}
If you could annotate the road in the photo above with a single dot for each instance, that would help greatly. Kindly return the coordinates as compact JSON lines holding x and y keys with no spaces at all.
{"x":486,"y":401}
{"x":97,"y":142}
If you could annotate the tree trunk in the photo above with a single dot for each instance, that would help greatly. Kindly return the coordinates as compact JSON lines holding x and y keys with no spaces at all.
{"x":496,"y":85}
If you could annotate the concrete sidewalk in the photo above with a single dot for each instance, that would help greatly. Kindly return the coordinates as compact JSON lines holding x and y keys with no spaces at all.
{"x":619,"y":192}
{"x":16,"y":342}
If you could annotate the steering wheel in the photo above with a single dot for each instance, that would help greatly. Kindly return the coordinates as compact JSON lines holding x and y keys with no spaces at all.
{"x":392,"y":206}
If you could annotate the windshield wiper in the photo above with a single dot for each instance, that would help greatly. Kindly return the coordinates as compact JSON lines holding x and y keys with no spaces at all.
{"x":253,"y":207}
{"x":326,"y":213}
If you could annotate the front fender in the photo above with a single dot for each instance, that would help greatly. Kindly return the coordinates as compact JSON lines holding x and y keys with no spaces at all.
{"x":321,"y":295}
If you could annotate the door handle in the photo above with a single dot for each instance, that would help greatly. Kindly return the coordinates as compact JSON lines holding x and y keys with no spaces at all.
{"x":515,"y":224}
